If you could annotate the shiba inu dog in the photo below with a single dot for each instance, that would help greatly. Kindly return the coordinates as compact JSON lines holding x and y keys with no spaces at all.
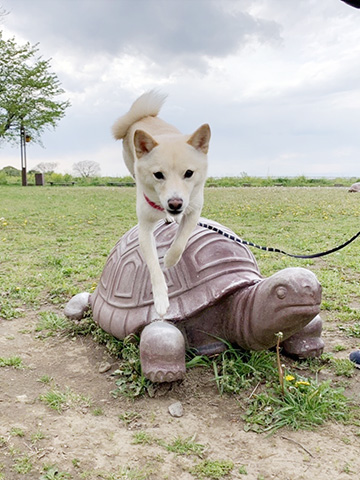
{"x":170,"y":170}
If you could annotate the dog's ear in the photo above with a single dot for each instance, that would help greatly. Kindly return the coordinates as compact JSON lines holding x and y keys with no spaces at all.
{"x":143,"y":143}
{"x":201,"y":138}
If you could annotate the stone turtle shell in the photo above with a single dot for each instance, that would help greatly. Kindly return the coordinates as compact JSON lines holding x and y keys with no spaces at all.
{"x":211,"y":267}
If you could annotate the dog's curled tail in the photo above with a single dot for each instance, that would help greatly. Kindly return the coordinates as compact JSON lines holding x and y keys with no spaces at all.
{"x":148,"y":105}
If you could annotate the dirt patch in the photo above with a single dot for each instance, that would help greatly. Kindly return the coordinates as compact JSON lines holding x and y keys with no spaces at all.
{"x":100,"y":439}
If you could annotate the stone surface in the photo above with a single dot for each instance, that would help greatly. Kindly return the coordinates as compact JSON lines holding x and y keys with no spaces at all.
{"x":176,"y":409}
{"x":77,"y":306}
{"x":355,"y":187}
{"x":104,"y":367}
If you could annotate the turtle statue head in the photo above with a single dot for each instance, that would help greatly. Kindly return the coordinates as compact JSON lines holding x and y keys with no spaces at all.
{"x":283,"y":303}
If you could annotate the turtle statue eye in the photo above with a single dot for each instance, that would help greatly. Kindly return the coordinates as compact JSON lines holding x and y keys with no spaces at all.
{"x":188,"y":174}
{"x":159,"y":175}
{"x":281,"y":292}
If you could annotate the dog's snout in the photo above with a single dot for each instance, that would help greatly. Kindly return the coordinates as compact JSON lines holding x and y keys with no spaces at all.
{"x":175,"y":205}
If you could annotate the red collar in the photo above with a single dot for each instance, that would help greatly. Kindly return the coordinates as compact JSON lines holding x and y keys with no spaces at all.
{"x":152,"y":204}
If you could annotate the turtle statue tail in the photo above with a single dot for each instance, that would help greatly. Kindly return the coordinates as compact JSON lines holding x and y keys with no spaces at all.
{"x":77,"y":306}
{"x":286,"y":302}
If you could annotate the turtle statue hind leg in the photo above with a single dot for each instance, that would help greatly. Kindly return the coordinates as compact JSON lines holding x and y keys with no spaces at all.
{"x":162,"y":352}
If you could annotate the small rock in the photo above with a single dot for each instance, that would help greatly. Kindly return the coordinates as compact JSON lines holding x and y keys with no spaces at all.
{"x":104,"y":367}
{"x":176,"y":409}
{"x":22,"y":398}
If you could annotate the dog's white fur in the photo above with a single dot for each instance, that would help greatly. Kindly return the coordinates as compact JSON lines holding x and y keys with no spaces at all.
{"x":170,"y":170}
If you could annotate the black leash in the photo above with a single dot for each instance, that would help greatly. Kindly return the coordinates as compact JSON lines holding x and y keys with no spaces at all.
{"x":276,"y":250}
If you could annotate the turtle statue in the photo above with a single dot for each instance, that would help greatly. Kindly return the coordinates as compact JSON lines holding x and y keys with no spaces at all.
{"x":216,"y":293}
{"x":355,"y":187}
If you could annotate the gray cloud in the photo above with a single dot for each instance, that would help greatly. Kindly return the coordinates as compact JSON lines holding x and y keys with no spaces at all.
{"x":162,"y":30}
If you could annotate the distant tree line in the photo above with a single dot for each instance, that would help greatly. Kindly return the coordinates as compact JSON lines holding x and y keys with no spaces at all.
{"x":86,"y":171}
{"x":84,"y":168}
{"x":12,"y":176}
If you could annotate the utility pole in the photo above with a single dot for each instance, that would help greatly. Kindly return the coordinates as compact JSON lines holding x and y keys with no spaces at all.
{"x":24,"y":139}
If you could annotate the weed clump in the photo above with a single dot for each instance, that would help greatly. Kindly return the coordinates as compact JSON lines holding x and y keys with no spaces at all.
{"x":131,"y":382}
{"x":236,"y":369}
{"x":304,"y":404}
{"x":214,"y":469}
{"x":15,"y":362}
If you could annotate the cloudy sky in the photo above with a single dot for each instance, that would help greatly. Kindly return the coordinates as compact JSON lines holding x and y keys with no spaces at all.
{"x":277,"y":80}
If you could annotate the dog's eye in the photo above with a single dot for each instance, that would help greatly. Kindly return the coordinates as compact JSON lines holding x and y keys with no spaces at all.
{"x":159,"y":175}
{"x":188,"y":174}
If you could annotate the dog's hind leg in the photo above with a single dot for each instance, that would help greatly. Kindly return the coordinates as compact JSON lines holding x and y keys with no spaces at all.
{"x":159,"y":287}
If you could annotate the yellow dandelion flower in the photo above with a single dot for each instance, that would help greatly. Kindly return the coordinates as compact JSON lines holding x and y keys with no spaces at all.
{"x":301,"y":382}
{"x":289,"y":378}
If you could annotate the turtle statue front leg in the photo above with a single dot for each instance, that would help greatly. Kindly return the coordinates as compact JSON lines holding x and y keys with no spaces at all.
{"x":286,"y":302}
{"x":162,"y":352}
{"x":307,"y":343}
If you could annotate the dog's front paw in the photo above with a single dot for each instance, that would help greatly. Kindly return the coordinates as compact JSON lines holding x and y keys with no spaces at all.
{"x":172,"y":257}
{"x":161,"y":303}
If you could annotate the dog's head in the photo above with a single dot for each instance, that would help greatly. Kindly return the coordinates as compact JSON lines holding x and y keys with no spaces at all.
{"x":173,"y":167}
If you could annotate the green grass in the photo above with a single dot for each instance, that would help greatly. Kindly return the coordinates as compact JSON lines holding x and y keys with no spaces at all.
{"x":60,"y":400}
{"x":305,"y":404}
{"x":242,"y":470}
{"x":352,"y":330}
{"x":185,"y":446}
{"x":131,"y":473}
{"x":51,"y":323}
{"x":37,"y":436}
{"x":179,"y":445}
{"x":17,"y":432}
{"x":129,"y":417}
{"x":213,"y":469}
{"x":236,"y":370}
{"x":142,"y":438}
{"x":15,"y":362}
{"x":130,"y":380}
{"x":23,"y":465}
{"x":343,"y":366}
{"x":53,"y":473}
{"x":54,"y":241}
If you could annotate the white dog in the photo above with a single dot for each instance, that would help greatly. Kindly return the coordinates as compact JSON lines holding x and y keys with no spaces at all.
{"x":170,"y":172}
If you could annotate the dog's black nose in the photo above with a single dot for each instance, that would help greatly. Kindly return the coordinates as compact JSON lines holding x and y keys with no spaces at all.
{"x":175,"y":205}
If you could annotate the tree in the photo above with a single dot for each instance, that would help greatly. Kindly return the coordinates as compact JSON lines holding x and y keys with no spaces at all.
{"x":45,"y":167}
{"x":87,"y":168}
{"x":11,"y":171}
{"x":27,"y":92}
{"x":3,"y":12}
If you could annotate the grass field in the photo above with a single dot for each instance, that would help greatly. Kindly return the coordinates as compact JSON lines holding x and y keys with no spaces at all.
{"x":54,"y":242}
